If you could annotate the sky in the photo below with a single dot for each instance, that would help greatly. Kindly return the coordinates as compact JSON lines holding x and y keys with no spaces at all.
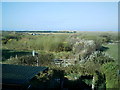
{"x":81,"y":16}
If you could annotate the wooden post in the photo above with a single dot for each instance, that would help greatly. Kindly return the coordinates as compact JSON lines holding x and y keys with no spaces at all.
{"x":93,"y":82}
{"x":16,"y":57}
{"x":64,"y":62}
{"x":37,"y":61}
{"x":33,"y":53}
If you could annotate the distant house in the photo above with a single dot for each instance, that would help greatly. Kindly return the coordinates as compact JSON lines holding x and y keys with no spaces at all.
{"x":16,"y":77}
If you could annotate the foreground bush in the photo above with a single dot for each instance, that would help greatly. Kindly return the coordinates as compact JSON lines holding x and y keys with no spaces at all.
{"x":111,"y":73}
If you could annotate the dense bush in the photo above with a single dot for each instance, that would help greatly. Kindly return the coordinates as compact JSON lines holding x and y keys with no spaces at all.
{"x":98,"y":43}
{"x":23,"y":60}
{"x":64,"y":55}
{"x":111,"y":72}
{"x":84,"y":48}
{"x":45,"y":58}
{"x":41,"y":59}
{"x":110,"y":37}
{"x":100,"y":57}
{"x":100,"y":81}
{"x":8,"y":36}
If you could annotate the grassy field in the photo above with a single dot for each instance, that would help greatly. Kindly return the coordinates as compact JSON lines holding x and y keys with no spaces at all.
{"x":112,"y":50}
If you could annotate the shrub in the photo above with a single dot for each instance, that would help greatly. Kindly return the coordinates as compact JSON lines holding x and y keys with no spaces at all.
{"x":100,"y":57}
{"x":45,"y":58}
{"x":111,"y":72}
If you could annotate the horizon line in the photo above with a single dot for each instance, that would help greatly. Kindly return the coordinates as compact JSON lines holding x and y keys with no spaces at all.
{"x":66,"y":30}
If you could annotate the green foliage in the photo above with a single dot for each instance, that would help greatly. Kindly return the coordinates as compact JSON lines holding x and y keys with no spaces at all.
{"x":100,"y":58}
{"x":88,"y":68}
{"x":79,"y":45}
{"x":54,"y":43}
{"x":107,"y":37}
{"x":43,"y":77}
{"x":111,"y":73}
{"x":23,"y":60}
{"x":9,"y":36}
{"x":45,"y":58}
{"x":100,"y":80}
{"x":87,"y":81}
{"x":110,"y":37}
{"x":63,"y":55}
{"x":91,"y":67}
{"x":98,"y":43}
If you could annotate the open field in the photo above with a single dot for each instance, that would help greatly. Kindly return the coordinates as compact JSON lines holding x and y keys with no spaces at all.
{"x":112,"y":50}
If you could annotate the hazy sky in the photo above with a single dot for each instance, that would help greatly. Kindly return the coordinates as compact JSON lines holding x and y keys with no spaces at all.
{"x":90,"y":16}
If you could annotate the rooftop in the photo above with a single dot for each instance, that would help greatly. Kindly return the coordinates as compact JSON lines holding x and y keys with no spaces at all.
{"x":17,"y":74}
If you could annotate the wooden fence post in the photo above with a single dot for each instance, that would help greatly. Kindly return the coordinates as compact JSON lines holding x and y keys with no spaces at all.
{"x":93,"y":83}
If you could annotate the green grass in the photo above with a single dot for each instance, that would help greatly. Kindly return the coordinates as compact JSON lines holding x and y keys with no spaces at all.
{"x":113,"y":50}
{"x":41,"y":42}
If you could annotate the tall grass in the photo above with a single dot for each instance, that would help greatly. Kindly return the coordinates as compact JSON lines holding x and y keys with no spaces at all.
{"x":41,"y":42}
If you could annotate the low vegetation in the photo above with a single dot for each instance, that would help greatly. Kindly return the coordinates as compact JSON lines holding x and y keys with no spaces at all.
{"x":88,"y":55}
